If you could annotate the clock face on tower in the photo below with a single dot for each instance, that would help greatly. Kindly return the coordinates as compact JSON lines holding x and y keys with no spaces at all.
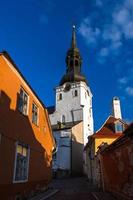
{"x":67,"y":87}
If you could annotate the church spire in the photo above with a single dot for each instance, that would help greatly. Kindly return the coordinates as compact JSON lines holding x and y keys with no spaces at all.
{"x":73,"y":43}
{"x":73,"y":62}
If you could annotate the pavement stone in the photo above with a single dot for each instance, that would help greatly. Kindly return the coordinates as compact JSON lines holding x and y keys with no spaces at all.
{"x":73,"y":189}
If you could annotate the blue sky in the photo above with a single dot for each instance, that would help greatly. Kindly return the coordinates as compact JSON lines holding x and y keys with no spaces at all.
{"x":37,"y":35}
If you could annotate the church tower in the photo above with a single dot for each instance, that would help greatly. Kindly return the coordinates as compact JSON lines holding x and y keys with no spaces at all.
{"x":73,"y":103}
{"x":73,"y":95}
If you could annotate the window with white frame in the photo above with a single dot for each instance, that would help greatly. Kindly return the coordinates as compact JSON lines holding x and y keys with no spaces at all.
{"x":23,"y":102}
{"x":21,"y":162}
{"x":34,"y":114}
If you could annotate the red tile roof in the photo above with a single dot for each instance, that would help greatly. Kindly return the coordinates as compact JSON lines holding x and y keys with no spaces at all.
{"x":108,"y":128}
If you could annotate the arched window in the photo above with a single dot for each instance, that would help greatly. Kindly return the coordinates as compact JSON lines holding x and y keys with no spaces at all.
{"x":60,"y":96}
{"x":76,"y":63}
{"x":75,"y":93}
{"x":71,"y":63}
{"x":85,"y":95}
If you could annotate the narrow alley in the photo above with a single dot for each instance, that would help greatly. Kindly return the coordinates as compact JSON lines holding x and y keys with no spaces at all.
{"x":75,"y":189}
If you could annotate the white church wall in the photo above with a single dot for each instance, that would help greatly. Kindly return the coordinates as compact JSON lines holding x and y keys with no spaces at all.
{"x":71,"y":116}
{"x":69,"y":105}
{"x":74,"y":108}
{"x":86,"y":101}
{"x":69,"y":100}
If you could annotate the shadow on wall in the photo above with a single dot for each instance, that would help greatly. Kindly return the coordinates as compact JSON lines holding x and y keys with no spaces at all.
{"x":117,"y":166}
{"x":16,"y":127}
{"x":77,"y":157}
{"x":69,"y":158}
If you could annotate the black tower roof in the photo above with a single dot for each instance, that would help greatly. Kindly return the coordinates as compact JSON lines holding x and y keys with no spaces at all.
{"x":73,"y":62}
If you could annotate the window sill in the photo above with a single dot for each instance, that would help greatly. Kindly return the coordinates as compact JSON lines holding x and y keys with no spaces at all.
{"x":25,"y":115}
{"x":35,"y":125}
{"x":21,"y":181}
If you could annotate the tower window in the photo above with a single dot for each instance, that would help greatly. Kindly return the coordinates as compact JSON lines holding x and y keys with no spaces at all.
{"x":76,"y":63}
{"x":60,"y":96}
{"x":85,"y":95}
{"x":75,"y":93}
{"x":71,"y":63}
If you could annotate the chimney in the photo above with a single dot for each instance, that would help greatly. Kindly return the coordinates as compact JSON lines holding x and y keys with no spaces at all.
{"x":116,"y":108}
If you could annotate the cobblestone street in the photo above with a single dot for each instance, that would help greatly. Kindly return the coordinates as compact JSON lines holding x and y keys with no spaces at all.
{"x":77,"y":189}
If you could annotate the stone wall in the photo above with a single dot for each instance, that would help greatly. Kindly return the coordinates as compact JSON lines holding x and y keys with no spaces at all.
{"x":116,"y":166}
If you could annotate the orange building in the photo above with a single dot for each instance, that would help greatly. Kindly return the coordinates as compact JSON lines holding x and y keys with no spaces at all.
{"x":26,"y":140}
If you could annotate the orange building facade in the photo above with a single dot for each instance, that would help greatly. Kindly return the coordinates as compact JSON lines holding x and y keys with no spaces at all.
{"x":26,"y":141}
